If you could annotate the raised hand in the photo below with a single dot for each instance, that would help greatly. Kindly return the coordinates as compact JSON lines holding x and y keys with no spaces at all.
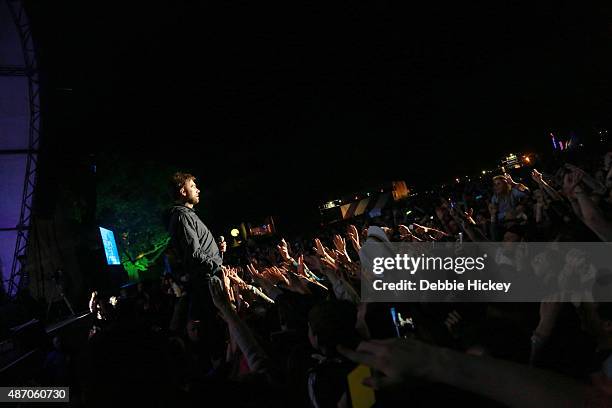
{"x":597,"y":186}
{"x":329,"y":263}
{"x":536,"y":176}
{"x":353,"y":236}
{"x":419,"y":229}
{"x":283,"y":248}
{"x":270,"y":275}
{"x":301,"y":268}
{"x":388,"y":231}
{"x":340,"y":251}
{"x":219,"y":295}
{"x":342,"y":257}
{"x":263,"y":281}
{"x":297,"y":283}
{"x":404,"y":232}
{"x":280,"y":274}
{"x":469,"y":213}
{"x":469,"y":216}
{"x":235,"y":279}
{"x":339,"y":243}
{"x":396,"y":359}
{"x":265,"y":276}
{"x":227,"y":283}
{"x":318,"y":248}
{"x":571,"y":181}
{"x":509,"y":180}
{"x":322,"y":251}
{"x":254,"y":272}
{"x":301,"y":273}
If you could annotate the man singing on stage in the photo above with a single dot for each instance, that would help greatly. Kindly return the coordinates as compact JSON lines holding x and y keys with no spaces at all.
{"x":195,"y":246}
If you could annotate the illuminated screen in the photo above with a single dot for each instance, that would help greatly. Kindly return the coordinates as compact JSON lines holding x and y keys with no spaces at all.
{"x":110,"y":247}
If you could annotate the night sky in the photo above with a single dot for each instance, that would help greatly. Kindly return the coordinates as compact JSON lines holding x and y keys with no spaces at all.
{"x":276,"y":107}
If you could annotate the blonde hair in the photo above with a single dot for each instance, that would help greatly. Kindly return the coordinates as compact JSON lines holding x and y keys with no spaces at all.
{"x":508,"y":187}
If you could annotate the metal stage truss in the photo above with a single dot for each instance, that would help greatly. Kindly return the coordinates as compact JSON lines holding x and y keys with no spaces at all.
{"x":19,"y":139}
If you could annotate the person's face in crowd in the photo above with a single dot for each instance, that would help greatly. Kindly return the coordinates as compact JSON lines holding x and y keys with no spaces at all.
{"x":453,"y":227}
{"x":57,"y":342}
{"x":541,"y":265}
{"x":190,"y":193}
{"x":592,"y":323}
{"x":510,"y":236}
{"x":193,"y":330}
{"x":499,"y":186}
{"x":510,"y":215}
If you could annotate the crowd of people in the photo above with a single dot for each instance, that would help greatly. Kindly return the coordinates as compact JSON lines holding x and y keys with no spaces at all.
{"x":288,"y":326}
